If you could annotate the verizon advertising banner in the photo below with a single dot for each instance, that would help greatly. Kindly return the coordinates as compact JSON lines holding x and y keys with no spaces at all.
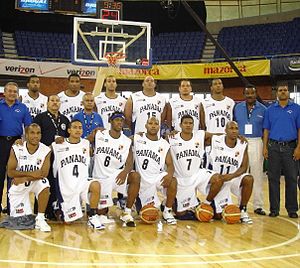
{"x":46,"y":69}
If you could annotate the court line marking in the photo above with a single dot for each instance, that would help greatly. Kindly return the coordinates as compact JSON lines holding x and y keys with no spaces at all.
{"x":152,"y":263}
{"x":295,"y":238}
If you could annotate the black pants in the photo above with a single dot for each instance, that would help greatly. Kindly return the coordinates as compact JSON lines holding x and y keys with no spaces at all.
{"x":281,"y":159}
{"x":5,"y":145}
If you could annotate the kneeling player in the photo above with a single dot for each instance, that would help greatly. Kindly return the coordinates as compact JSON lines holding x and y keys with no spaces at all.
{"x":151,"y":154}
{"x":29,"y":165}
{"x":230,"y":157}
{"x":187,"y":150}
{"x":71,"y":165}
{"x":113,"y":168}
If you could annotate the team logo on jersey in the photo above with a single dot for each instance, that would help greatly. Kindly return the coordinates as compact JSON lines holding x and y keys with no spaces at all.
{"x":84,"y":150}
{"x":141,"y":100}
{"x":27,"y":101}
{"x":104,"y":101}
{"x":23,"y":157}
{"x":228,"y":107}
{"x":63,"y":126}
{"x":121,"y":147}
{"x":140,"y":141}
{"x":177,"y":144}
{"x":120,"y":104}
{"x":197,"y":144}
{"x":38,"y":161}
{"x":17,"y":110}
{"x":237,"y":154}
{"x":160,"y":149}
{"x":158,"y":102}
{"x":42,"y":105}
{"x":196,"y":106}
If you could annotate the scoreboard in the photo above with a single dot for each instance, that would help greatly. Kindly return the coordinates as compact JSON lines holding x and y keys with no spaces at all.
{"x":106,"y":9}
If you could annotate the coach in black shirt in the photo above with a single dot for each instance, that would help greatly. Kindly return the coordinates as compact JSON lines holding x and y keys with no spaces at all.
{"x":53,"y":124}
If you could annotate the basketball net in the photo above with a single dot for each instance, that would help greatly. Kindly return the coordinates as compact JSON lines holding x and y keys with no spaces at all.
{"x":113,"y":61}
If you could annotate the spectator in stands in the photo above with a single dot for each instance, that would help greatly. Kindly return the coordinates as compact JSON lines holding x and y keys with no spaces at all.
{"x":53,"y":124}
{"x":281,"y":132}
{"x":89,"y":119}
{"x":14,"y":116}
{"x":33,"y":99}
{"x":249,"y":115}
{"x":185,"y":103}
{"x":71,"y":99}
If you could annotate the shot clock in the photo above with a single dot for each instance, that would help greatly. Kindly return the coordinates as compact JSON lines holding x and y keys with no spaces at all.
{"x":109,"y":10}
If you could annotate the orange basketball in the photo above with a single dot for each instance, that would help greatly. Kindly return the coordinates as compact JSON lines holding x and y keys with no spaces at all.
{"x":149,"y":214}
{"x":204,"y":212}
{"x":231,"y":214}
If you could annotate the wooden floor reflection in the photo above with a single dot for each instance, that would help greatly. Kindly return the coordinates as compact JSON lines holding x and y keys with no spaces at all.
{"x":268,"y":242}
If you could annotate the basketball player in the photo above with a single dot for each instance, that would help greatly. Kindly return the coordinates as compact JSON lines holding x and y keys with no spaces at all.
{"x":33,"y":99}
{"x":71,"y":99}
{"x":29,"y":165}
{"x":216,"y":110}
{"x":71,"y":164}
{"x":187,"y":150}
{"x":143,"y":105}
{"x":151,"y":154}
{"x":113,"y":168}
{"x":230,"y":158}
{"x":110,"y":101}
{"x":184,"y":104}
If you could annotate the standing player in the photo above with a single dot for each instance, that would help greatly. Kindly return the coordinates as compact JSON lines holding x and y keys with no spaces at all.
{"x":71,"y":99}
{"x":182,"y":105}
{"x":33,"y":99}
{"x":29,"y":165}
{"x":151,"y":154}
{"x":71,"y":165}
{"x":187,"y":150}
{"x":109,"y":102}
{"x":216,"y":110}
{"x":230,"y":158}
{"x":113,"y":168}
{"x":143,"y":105}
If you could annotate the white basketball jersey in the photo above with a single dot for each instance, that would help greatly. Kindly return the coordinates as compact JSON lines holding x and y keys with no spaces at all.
{"x":145,"y":107}
{"x":187,"y":155}
{"x":110,"y":154}
{"x":149,"y":156}
{"x":28,"y":162}
{"x":106,"y":106}
{"x":70,"y":105}
{"x":226,"y":160}
{"x":71,"y":165}
{"x":35,"y":106}
{"x":182,"y":107}
{"x":217,"y":114}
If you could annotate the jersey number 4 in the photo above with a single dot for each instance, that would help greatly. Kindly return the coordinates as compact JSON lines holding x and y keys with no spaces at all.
{"x":75,"y":171}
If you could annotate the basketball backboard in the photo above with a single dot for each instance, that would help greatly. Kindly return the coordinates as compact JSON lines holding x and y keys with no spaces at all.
{"x":99,"y":42}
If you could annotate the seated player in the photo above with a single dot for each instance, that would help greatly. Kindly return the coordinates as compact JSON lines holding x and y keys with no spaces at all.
{"x":187,"y":150}
{"x":151,"y":154}
{"x":230,"y":157}
{"x":113,"y":168}
{"x":29,"y":165}
{"x":71,"y":166}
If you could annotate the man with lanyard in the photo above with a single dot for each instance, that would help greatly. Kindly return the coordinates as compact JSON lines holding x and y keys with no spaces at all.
{"x":249,"y":115}
{"x":14,"y":116}
{"x":53,"y":124}
{"x":89,"y":119}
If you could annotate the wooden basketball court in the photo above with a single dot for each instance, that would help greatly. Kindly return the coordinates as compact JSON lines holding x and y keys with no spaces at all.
{"x":269,"y":242}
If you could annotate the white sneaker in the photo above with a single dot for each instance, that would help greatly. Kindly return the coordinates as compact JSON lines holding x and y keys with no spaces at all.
{"x":245,"y":217}
{"x":128,"y":219}
{"x":169,"y":217}
{"x":105,"y":220}
{"x":95,"y":223}
{"x":42,"y":225}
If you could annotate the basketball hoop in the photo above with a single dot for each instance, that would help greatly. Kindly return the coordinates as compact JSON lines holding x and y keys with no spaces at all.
{"x":113,"y":59}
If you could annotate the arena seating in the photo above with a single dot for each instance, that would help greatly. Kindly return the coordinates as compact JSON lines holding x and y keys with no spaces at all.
{"x":178,"y":46}
{"x":1,"y":46}
{"x":166,"y":46}
{"x":42,"y":45}
{"x":264,"y":40}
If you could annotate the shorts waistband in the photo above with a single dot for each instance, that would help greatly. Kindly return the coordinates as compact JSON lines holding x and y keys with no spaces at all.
{"x":282,"y":143}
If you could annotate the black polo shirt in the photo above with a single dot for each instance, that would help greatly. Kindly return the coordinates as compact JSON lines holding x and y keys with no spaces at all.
{"x":51,"y":127}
